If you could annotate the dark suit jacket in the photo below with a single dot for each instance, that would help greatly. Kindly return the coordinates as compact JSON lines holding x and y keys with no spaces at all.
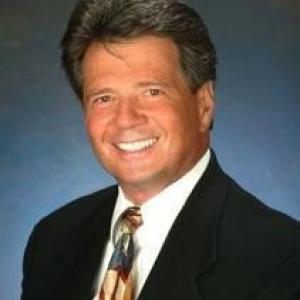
{"x":224,"y":245}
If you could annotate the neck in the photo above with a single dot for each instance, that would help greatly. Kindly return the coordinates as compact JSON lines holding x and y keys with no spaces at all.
{"x":141,"y":192}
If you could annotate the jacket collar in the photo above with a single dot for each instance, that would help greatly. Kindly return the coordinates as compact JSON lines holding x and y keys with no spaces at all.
{"x":83,"y":250}
{"x":191,"y":246}
{"x":199,"y":221}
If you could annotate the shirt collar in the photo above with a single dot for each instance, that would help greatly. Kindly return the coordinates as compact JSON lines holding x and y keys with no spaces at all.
{"x":166,"y":205}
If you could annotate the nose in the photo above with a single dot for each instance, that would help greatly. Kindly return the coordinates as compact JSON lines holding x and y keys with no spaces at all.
{"x":129,"y":114}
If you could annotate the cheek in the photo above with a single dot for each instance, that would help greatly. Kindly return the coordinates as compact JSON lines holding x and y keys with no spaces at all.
{"x":94,"y":128}
{"x":171,"y":125}
{"x":175,"y":120}
{"x":180,"y":126}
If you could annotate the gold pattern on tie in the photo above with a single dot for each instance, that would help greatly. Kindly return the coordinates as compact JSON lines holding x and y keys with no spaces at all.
{"x":118,"y":283}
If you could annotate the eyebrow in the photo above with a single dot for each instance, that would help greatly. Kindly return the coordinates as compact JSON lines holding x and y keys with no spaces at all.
{"x":98,"y":91}
{"x":153,"y":83}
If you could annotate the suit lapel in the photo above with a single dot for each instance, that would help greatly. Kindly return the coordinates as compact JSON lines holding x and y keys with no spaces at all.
{"x":191,"y":246}
{"x":84,"y":250}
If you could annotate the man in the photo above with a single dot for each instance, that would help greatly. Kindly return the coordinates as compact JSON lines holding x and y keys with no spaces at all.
{"x":144,"y":72}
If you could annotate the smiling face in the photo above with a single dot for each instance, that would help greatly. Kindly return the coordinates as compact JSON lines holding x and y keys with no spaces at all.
{"x":145,"y":124}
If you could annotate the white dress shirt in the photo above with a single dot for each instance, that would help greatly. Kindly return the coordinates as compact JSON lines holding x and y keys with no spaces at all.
{"x":159,"y":214}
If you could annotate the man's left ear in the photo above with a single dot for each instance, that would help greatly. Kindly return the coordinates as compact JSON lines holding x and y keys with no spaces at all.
{"x":206,"y":103}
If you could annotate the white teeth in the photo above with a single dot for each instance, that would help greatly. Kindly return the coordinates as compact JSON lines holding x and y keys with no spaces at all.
{"x":136,"y":146}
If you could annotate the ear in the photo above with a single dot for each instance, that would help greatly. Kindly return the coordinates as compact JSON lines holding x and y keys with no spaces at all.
{"x":206,"y":104}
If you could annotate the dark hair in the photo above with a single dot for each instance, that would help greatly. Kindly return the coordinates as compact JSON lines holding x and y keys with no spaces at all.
{"x":113,"y":20}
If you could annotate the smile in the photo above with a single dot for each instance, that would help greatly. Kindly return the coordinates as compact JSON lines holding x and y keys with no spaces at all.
{"x":137,"y":145}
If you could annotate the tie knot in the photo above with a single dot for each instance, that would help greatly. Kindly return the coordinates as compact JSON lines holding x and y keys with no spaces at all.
{"x":129,"y":221}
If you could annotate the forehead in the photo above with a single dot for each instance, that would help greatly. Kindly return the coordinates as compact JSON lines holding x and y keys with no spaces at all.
{"x":147,"y":53}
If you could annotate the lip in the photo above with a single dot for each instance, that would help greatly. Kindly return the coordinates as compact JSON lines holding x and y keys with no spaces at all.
{"x":136,"y":146}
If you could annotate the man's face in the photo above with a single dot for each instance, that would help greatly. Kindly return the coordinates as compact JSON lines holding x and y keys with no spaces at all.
{"x":145,"y":124}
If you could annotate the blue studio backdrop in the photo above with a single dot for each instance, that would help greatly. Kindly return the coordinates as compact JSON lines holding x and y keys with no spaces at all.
{"x":45,"y":157}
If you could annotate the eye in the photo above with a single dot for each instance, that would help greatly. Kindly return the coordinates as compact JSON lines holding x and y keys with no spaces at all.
{"x":154,"y":92}
{"x":102,"y":99}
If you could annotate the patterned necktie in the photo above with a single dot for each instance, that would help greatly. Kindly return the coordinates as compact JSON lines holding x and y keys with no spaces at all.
{"x":118,"y":282}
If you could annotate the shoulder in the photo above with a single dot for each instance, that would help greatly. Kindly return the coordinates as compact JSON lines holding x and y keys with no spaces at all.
{"x":65,"y":233}
{"x":259,"y":240}
{"x":244,"y":216}
{"x":74,"y":212}
{"x":251,"y":214}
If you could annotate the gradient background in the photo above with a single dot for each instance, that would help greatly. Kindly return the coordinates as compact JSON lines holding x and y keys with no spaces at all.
{"x":45,"y":158}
